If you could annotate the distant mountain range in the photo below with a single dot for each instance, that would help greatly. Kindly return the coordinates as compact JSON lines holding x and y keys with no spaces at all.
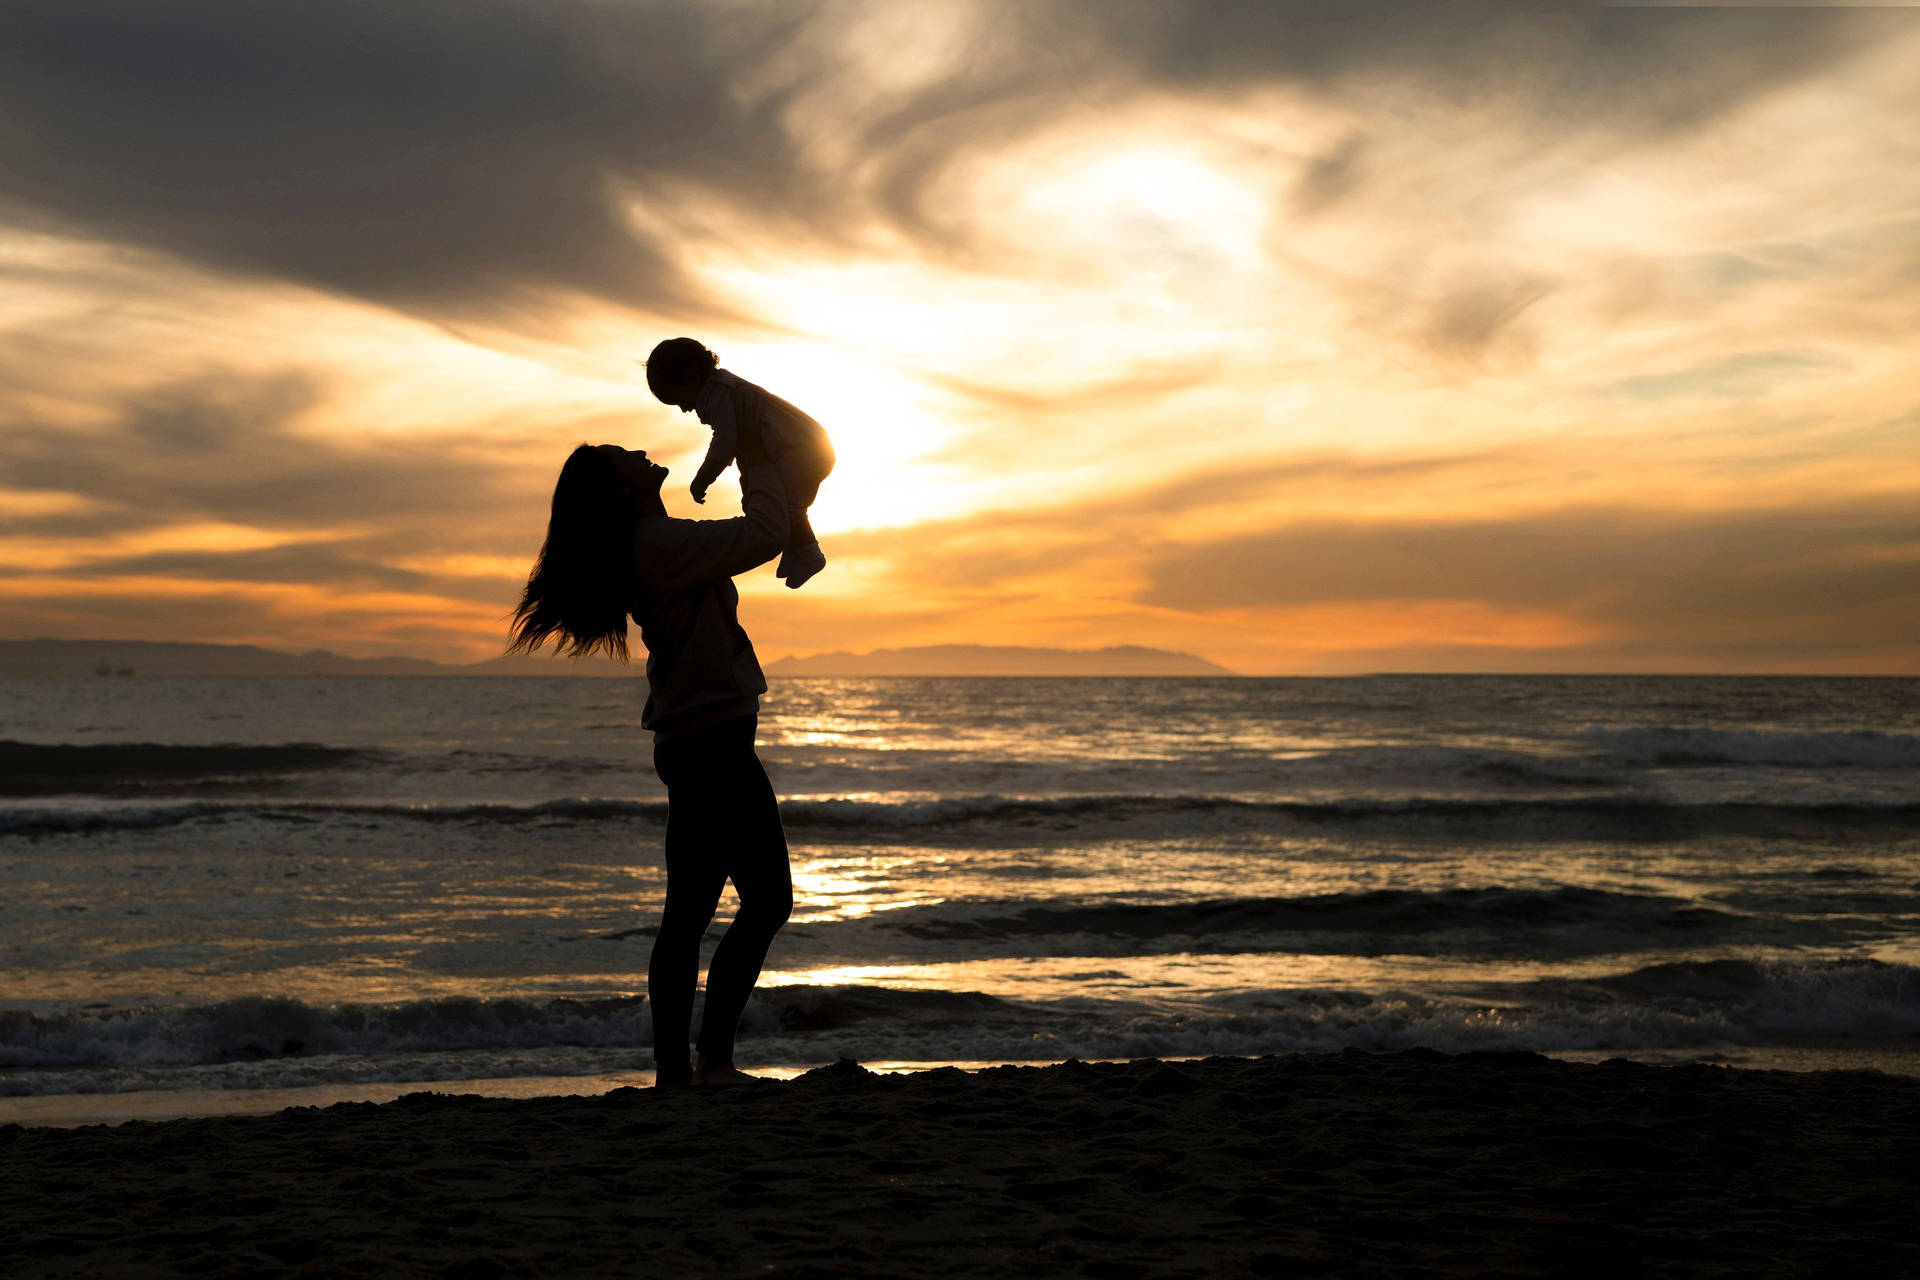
{"x":110,"y":658}
{"x":1000,"y":660}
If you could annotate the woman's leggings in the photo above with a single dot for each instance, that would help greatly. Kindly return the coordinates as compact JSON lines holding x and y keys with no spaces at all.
{"x":722,"y":822}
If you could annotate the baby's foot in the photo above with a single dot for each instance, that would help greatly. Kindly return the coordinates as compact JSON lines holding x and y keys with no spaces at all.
{"x":801,"y":563}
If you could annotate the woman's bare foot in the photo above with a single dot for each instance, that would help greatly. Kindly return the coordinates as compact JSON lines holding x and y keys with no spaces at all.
{"x":720,"y":1073}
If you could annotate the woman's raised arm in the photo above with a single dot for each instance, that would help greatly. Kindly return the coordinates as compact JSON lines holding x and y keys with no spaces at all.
{"x":671,"y":555}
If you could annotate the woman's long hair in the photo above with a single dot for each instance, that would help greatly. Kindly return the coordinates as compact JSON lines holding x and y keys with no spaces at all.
{"x":582,"y":584}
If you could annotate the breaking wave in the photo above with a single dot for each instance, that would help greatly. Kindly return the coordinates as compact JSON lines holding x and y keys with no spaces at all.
{"x":256,"y":1027}
{"x":1485,"y":921}
{"x":1685,"y":1006}
{"x":127,"y":768}
{"x":265,"y":1042}
{"x":1863,"y":748}
{"x":1624,"y":818}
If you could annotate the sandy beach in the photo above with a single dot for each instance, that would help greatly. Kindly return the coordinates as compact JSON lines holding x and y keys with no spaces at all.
{"x":1405,"y":1164}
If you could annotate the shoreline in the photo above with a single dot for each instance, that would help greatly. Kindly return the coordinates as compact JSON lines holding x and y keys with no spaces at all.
{"x":1348,"y":1163}
{"x":1895,"y":1056}
{"x":1899,"y":1057}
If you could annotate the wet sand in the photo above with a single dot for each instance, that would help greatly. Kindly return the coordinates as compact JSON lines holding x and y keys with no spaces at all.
{"x":1406,"y":1164}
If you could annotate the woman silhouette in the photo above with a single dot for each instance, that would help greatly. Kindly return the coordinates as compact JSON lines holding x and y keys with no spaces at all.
{"x":611,"y":551}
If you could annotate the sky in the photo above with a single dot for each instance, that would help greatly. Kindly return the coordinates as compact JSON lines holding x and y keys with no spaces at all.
{"x":1310,"y":338}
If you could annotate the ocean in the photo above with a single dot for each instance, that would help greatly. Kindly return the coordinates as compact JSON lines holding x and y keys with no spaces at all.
{"x":230,"y":893}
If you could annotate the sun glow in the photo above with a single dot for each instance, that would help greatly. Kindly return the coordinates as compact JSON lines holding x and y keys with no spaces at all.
{"x":1079,"y":329}
{"x":884,"y":425}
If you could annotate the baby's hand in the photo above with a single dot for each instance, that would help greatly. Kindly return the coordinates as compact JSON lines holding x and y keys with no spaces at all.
{"x":699,"y":492}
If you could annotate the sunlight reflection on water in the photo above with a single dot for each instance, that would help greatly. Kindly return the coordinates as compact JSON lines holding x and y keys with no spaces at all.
{"x":1237,"y":863}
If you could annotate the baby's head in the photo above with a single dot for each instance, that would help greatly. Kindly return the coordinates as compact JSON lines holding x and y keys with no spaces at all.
{"x":677,"y":369}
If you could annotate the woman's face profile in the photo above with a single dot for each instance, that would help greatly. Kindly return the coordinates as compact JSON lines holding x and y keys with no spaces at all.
{"x":640,"y":474}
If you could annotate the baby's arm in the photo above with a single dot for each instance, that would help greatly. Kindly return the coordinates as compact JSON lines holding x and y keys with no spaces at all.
{"x":726,"y":436}
{"x":680,"y":555}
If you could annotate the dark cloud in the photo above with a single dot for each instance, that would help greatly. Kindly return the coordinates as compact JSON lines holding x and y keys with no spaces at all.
{"x":312,"y":563}
{"x":1330,"y":175}
{"x":220,"y":614}
{"x":81,"y":522}
{"x":206,"y":415}
{"x":455,"y":158}
{"x":428,"y":153}
{"x":222,"y":446}
{"x":1793,"y":575}
{"x":366,"y":515}
{"x":353,"y":565}
{"x":1574,"y":65}
{"x":1469,"y":317}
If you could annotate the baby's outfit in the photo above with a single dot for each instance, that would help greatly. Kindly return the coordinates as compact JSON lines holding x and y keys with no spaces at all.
{"x":795,"y":444}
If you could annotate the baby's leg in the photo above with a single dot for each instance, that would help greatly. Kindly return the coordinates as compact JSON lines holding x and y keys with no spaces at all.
{"x":799,"y":529}
{"x":803,"y":557}
{"x":802,"y":473}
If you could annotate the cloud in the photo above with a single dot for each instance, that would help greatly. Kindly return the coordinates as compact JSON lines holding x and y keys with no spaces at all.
{"x":226,"y":446}
{"x":215,"y":413}
{"x":455,"y":159}
{"x":280,"y":616}
{"x":1822,"y":582}
{"x":1137,"y":387}
{"x":1841,"y":577}
{"x":1109,"y":256}
{"x":1155,"y":513}
{"x":1469,"y":317}
{"x":311,"y":563}
{"x":427,"y":154}
{"x":214,"y":505}
{"x":1743,"y":376}
{"x":1578,"y":65}
{"x":1330,"y":175}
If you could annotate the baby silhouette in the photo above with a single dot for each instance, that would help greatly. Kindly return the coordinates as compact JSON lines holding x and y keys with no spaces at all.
{"x":683,"y":373}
